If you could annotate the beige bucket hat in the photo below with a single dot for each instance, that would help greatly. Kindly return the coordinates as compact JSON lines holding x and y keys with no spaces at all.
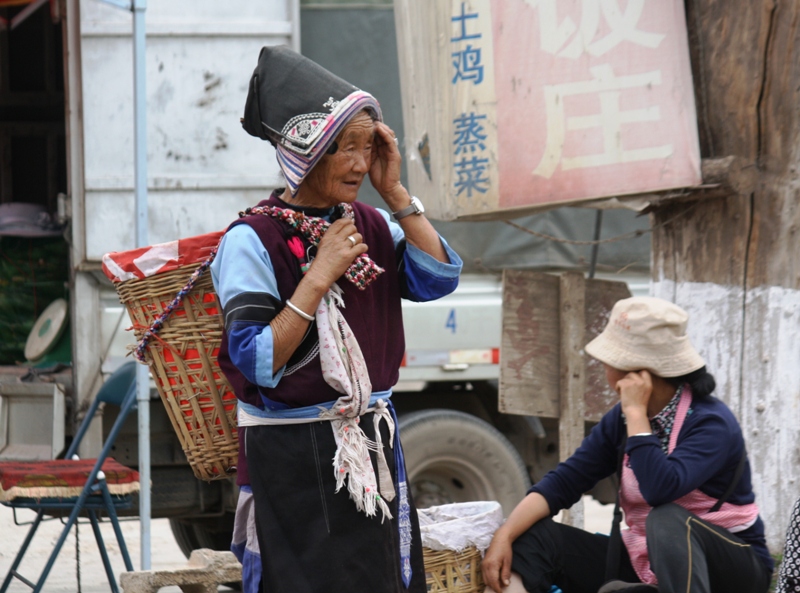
{"x":647,"y":333}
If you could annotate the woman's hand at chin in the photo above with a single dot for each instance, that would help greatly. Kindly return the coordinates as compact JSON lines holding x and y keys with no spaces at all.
{"x":336,"y":252}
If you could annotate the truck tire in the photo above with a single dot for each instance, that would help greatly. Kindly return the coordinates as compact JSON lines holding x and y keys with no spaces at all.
{"x":195,"y":533}
{"x":456,"y":457}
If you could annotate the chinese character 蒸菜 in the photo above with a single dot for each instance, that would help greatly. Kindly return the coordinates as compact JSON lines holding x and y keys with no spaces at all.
{"x":469,"y":133}
{"x":471,"y":176}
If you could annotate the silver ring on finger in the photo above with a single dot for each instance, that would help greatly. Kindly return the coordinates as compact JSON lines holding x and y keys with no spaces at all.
{"x":352,"y":239}
{"x":396,"y":141}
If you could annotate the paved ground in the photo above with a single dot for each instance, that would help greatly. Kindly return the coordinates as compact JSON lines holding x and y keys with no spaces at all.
{"x":63,"y":578}
{"x":165,"y":552}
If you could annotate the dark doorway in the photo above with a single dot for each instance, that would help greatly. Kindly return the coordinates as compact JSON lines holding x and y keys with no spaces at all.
{"x":32,"y":130}
{"x":33,"y":169}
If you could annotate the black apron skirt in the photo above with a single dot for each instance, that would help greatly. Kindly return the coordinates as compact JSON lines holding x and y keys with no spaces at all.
{"x":312,"y":539}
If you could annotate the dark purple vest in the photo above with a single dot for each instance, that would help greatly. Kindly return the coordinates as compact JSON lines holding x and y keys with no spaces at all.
{"x":374,"y":314}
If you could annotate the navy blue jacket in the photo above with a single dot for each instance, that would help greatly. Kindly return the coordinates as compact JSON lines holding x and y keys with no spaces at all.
{"x":709,"y":448}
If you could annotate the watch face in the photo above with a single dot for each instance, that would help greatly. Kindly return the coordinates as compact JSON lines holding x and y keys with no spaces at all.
{"x":416,"y":201}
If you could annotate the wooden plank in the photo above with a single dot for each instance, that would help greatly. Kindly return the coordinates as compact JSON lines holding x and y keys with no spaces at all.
{"x":529,"y":375}
{"x":529,"y":351}
{"x":572,"y":367}
{"x":734,"y":173}
{"x":600,"y":298}
{"x":732,"y":262}
{"x":572,"y":374}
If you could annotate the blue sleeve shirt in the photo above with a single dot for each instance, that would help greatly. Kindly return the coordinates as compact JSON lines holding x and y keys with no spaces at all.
{"x":243,"y":265}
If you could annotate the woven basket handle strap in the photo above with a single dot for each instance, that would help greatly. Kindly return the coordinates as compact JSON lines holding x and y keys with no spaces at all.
{"x":734,"y":482}
{"x":161,"y":319}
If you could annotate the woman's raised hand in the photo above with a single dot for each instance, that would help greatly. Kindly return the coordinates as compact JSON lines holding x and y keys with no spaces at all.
{"x":385,"y":170}
{"x":339,"y":247}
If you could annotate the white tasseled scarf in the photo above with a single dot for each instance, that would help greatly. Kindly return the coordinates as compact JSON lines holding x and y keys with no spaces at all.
{"x":344,"y":369}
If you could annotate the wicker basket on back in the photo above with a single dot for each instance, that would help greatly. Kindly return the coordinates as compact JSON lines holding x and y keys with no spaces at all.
{"x":182,"y":358}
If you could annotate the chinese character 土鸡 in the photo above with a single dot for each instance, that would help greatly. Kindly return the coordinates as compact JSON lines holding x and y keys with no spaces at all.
{"x":468,"y":65}
{"x":467,"y":61}
{"x":462,"y":19}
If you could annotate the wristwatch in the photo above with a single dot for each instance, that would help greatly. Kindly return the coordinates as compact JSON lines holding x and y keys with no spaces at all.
{"x":415,"y":207}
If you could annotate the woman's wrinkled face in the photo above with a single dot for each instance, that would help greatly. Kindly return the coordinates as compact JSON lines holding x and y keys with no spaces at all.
{"x":338,"y":177}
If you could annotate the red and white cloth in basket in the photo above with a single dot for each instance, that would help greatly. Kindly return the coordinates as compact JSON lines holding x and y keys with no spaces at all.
{"x":143,"y":262}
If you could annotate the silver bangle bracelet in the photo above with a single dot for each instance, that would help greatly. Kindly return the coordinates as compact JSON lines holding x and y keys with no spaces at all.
{"x":642,"y":434}
{"x":299,"y":311}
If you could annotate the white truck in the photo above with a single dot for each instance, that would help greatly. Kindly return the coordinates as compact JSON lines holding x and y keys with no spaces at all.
{"x":203,"y":169}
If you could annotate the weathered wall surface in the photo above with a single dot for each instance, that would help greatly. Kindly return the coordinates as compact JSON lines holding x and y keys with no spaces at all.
{"x":732,"y":262}
{"x":202,"y":167}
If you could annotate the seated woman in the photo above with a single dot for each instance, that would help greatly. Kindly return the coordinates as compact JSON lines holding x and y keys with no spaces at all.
{"x":683,"y":453}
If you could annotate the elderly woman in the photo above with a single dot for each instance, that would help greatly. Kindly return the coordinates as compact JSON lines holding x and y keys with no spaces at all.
{"x":692,"y":522}
{"x":310,"y":281}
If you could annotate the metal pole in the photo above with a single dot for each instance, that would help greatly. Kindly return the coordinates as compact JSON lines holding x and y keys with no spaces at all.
{"x":140,"y":184}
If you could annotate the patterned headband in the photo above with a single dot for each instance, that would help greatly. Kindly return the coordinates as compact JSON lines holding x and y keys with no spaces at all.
{"x":295,"y":165}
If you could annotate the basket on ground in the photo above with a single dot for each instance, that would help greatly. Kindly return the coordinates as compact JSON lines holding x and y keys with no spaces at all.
{"x":182,"y":357}
{"x":454,"y":538}
{"x":447,"y":571}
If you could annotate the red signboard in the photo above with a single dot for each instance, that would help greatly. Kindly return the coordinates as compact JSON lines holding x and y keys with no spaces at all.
{"x":534,"y":103}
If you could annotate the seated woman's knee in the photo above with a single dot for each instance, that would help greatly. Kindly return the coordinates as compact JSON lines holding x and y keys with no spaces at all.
{"x":664,"y":517}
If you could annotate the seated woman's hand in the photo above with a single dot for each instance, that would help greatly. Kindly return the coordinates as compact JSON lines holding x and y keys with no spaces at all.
{"x":336,"y":251}
{"x":635,"y":390}
{"x":496,"y":565}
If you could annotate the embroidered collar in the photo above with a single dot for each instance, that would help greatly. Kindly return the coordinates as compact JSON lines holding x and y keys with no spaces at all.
{"x":361,"y":272}
{"x":662,"y":423}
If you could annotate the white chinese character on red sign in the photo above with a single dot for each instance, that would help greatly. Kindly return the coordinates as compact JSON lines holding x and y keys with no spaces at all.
{"x":594,"y":99}
{"x":622,"y":25}
{"x":609,"y":120}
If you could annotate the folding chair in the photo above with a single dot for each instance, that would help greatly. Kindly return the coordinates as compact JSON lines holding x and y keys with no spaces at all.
{"x":75,"y":486}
